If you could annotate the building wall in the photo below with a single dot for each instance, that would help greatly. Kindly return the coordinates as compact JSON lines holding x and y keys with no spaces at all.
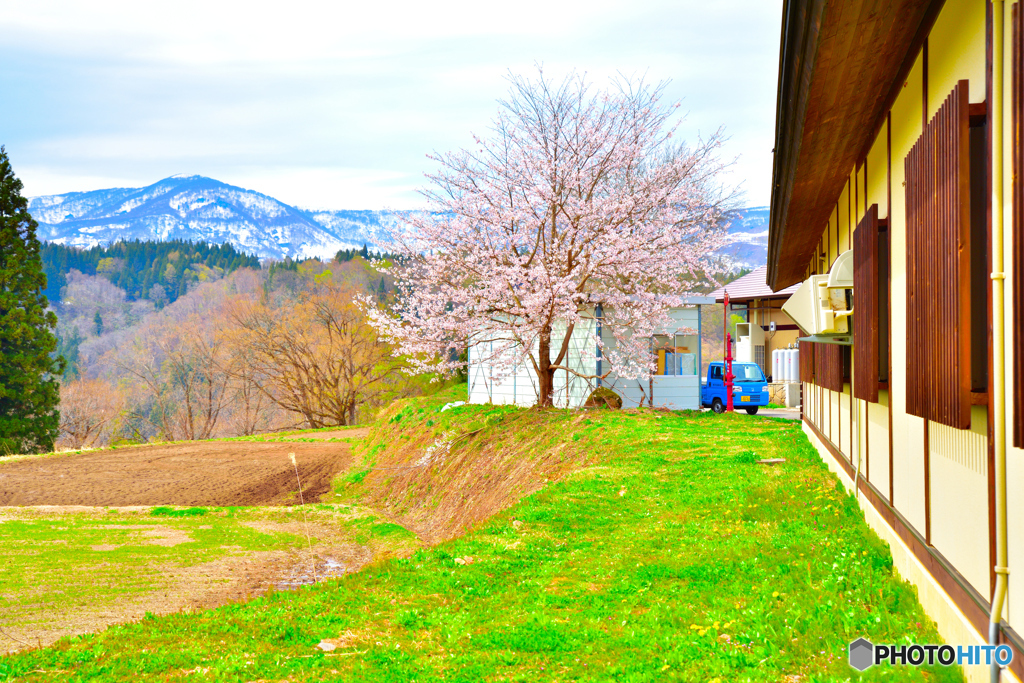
{"x":770,"y":311}
{"x":490,"y":383}
{"x":675,"y":393}
{"x":940,"y":479}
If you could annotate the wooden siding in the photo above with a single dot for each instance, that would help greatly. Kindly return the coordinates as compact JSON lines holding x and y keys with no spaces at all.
{"x":865,"y":316}
{"x":828,"y":366}
{"x":806,"y":362}
{"x":938,"y":266}
{"x":1017,"y":229}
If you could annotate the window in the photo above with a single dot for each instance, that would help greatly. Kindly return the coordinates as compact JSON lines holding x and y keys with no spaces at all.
{"x":716,"y":372}
{"x":677,"y":354}
{"x":747,"y":372}
{"x":940,"y":348}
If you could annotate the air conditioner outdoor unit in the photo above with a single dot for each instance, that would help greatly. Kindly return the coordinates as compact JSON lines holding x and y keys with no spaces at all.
{"x":823,"y":304}
{"x":750,"y":343}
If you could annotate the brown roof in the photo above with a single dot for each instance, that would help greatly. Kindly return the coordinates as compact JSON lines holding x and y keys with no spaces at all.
{"x":751,"y":286}
{"x":841,"y":66}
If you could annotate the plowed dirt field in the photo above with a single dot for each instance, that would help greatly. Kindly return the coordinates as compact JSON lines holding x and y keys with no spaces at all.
{"x":218,"y":473}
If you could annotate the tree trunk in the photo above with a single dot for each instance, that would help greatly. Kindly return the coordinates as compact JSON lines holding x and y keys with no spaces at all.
{"x":546,"y":375}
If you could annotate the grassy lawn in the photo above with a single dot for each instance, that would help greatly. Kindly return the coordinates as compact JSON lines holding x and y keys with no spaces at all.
{"x":666,"y":553}
{"x":65,"y":570}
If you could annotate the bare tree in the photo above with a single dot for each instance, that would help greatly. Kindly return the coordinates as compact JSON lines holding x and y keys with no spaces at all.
{"x":88,"y":408}
{"x":179,"y":370}
{"x":317,"y":358}
{"x":250,"y":409}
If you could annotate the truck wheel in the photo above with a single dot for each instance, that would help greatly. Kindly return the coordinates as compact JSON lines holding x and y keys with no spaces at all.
{"x":752,"y":411}
{"x":718,"y":406}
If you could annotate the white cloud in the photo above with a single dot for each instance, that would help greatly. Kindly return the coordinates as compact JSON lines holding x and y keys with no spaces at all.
{"x":325,"y":103}
{"x":332,"y":188}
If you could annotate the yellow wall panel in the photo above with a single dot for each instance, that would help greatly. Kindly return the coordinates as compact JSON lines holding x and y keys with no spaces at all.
{"x":877,"y":174}
{"x":956,"y":50}
{"x":858,"y":195}
{"x":959,"y":501}
{"x":1015,"y":533}
{"x":833,"y":237}
{"x":878,"y":446}
{"x":908,"y":431}
{"x":860,"y":448}
{"x":1014,"y":456}
{"x":845,"y":436}
{"x":843,"y":212}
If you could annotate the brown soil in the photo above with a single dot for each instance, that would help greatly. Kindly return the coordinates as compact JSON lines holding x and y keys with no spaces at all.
{"x":203,"y":473}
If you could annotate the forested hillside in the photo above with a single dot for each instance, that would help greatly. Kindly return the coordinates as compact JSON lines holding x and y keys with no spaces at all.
{"x":158,"y":271}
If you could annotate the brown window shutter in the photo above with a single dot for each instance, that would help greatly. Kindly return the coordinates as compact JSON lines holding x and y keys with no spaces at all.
{"x":1017,"y":284}
{"x":828,"y":366}
{"x":939,"y":267}
{"x":806,"y":362}
{"x":865,"y":307}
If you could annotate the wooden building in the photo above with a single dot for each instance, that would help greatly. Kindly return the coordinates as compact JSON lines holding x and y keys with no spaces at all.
{"x":898,"y":135}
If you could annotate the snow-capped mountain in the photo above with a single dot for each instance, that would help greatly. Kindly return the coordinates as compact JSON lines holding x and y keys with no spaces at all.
{"x":747,"y":238}
{"x":198,"y":208}
{"x":203,"y":209}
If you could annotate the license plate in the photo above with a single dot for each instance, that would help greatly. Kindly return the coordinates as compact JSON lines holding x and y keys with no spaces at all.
{"x":744,"y":399}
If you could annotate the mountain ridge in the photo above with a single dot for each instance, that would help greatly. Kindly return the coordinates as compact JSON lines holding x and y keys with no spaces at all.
{"x":198,"y":208}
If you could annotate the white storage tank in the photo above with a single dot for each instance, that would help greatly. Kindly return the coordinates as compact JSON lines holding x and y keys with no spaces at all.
{"x":787,"y":370}
{"x":777,"y":365}
{"x":795,"y":370}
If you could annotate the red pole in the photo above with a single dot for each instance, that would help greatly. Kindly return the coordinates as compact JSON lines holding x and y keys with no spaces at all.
{"x":728,"y":356}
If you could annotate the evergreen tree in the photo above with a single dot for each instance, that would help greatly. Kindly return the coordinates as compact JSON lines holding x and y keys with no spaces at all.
{"x":97,"y":323}
{"x":67,"y":348}
{"x":29,"y":392}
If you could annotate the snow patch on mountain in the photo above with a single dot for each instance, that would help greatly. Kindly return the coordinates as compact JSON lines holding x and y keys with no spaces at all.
{"x":199,"y":208}
{"x":203,"y":209}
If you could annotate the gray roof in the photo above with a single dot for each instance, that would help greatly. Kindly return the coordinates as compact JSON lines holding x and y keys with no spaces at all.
{"x":752,"y":286}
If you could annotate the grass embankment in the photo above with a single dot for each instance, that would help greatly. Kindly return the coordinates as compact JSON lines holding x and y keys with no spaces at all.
{"x":665,"y":553}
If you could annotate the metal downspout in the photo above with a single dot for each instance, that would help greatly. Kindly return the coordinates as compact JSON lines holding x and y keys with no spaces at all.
{"x":998,"y":327}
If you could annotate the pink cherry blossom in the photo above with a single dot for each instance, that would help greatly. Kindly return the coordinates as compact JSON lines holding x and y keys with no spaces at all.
{"x":575,"y":198}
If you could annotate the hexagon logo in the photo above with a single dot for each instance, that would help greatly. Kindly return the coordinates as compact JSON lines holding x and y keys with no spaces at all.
{"x":862,"y":654}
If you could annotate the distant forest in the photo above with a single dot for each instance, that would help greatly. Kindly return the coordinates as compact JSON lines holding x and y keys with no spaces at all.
{"x":158,"y":271}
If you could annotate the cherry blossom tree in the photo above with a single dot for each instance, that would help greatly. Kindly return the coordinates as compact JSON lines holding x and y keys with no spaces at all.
{"x":577,"y":198}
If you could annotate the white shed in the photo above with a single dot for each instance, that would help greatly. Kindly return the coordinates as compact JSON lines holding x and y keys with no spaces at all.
{"x":676,"y":384}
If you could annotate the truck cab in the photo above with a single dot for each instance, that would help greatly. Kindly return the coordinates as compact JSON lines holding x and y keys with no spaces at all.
{"x":749,"y":390}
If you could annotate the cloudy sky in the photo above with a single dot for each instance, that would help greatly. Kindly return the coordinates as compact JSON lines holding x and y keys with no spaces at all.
{"x":335,"y":105}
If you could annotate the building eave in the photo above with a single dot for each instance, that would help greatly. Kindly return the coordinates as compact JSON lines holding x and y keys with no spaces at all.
{"x":841,"y":66}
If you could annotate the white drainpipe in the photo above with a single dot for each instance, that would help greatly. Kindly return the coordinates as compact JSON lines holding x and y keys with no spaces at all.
{"x":998,"y":327}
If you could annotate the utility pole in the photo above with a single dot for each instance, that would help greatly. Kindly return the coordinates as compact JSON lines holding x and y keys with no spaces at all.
{"x":728,"y":355}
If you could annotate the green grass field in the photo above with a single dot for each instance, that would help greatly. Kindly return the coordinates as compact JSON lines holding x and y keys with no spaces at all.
{"x":667,"y":553}
{"x":65,"y":571}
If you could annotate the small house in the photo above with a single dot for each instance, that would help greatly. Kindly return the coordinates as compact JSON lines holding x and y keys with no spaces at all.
{"x":675,"y":357}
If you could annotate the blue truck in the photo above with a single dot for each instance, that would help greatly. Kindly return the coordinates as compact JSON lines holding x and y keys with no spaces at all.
{"x":749,"y":390}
